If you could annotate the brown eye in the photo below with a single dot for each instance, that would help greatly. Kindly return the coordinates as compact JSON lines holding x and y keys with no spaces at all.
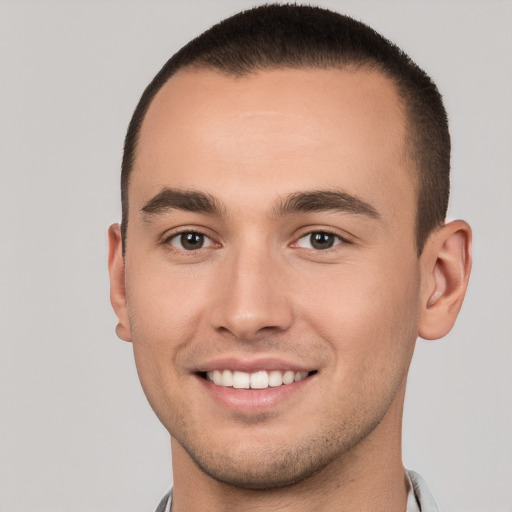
{"x":190,"y":241}
{"x":322,"y":240}
{"x":319,"y":240}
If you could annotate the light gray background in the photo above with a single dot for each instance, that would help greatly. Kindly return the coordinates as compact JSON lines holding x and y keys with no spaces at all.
{"x":75,"y":431}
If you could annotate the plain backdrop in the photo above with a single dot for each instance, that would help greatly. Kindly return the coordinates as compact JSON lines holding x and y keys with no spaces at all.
{"x":76,"y":433}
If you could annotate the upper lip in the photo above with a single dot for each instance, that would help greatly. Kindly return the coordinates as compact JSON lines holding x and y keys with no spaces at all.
{"x":252,"y":364}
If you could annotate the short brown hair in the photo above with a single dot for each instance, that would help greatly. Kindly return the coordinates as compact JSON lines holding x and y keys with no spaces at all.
{"x":294,"y":36}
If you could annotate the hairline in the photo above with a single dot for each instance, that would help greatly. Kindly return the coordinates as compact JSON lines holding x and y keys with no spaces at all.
{"x":410,"y":142}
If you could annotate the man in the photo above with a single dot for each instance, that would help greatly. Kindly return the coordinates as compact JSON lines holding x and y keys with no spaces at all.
{"x":284,"y":186}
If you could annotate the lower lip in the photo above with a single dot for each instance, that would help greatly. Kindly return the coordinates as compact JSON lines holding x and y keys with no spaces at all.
{"x":253,"y":401}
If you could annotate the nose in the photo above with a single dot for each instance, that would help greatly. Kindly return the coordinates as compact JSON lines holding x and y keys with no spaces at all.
{"x":253,"y":300}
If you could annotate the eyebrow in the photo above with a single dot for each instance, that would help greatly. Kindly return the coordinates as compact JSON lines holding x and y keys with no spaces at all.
{"x":298,"y":202}
{"x":186,"y":200}
{"x":325,"y":201}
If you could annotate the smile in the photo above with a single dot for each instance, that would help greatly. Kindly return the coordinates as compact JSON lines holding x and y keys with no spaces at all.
{"x":261,"y":379}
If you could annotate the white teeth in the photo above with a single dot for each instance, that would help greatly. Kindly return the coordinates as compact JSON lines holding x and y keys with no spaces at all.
{"x":241,"y":380}
{"x":257,"y":380}
{"x":288,"y":377}
{"x":217,"y":377}
{"x":227,"y":378}
{"x":275,"y":378}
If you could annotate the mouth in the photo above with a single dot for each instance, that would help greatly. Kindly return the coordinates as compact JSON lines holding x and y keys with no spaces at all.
{"x":252,"y":389}
{"x":261,"y":379}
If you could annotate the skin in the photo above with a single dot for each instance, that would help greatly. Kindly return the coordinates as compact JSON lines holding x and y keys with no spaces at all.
{"x":258,"y":293}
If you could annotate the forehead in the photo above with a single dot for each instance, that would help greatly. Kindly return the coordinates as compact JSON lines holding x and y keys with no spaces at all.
{"x":289,"y":128}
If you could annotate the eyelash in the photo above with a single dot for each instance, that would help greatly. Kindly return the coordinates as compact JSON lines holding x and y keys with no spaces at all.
{"x":179,"y":235}
{"x":339,"y":240}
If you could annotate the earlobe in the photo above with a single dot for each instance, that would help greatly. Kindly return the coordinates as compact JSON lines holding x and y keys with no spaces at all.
{"x":446,"y":266}
{"x":117,"y":285}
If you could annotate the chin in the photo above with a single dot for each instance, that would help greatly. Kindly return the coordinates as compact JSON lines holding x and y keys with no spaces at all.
{"x":265,"y":468}
{"x":262,"y":471}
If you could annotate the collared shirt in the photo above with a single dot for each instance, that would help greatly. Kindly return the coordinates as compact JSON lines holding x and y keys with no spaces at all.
{"x":412,"y":502}
{"x":425,"y":500}
{"x":419,"y":498}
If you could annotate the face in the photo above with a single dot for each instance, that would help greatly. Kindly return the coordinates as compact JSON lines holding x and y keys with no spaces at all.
{"x":272,"y":281}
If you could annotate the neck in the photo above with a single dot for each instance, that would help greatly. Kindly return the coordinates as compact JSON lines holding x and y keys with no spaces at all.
{"x":369,"y":477}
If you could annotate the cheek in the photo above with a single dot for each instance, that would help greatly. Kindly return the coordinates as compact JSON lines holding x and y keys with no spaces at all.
{"x":163,"y":304}
{"x":367,"y":313}
{"x":164,"y":309}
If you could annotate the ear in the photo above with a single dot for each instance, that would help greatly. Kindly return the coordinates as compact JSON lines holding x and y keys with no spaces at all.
{"x":117,"y":287}
{"x":445,"y":265}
